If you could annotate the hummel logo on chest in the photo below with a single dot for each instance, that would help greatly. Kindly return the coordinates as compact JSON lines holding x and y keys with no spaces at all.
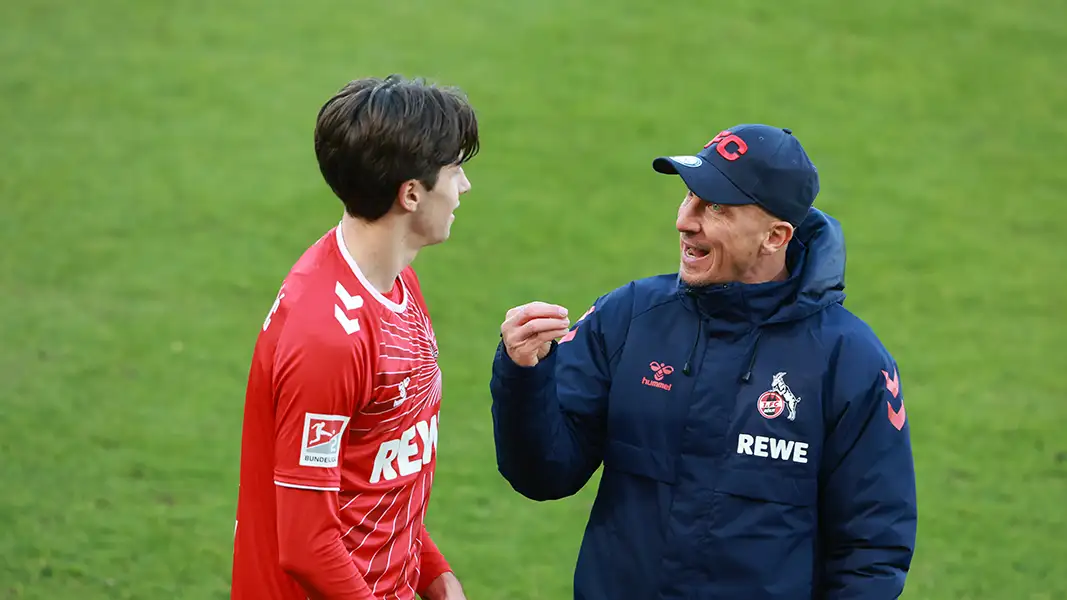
{"x":659,"y":372}
{"x":403,"y":387}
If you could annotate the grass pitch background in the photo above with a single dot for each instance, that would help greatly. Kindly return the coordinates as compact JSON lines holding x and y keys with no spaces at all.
{"x":157,"y":181}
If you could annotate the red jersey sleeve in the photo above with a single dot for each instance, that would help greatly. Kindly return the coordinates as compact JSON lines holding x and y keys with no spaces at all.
{"x":310,"y":547}
{"x":320,"y":380}
{"x":433,"y":563}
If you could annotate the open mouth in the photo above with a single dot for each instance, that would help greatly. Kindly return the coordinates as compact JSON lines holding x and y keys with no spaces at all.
{"x":693,"y":253}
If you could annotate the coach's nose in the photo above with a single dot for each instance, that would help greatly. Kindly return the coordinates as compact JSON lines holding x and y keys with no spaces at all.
{"x":689,"y":214}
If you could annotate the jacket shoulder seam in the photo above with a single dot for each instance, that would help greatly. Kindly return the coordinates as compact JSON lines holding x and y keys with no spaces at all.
{"x":633,"y":317}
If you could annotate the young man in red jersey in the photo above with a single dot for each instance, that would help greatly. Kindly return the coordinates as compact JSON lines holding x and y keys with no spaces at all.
{"x":340,"y":429}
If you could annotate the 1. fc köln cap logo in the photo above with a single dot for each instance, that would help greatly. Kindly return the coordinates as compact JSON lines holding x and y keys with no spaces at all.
{"x":321,"y":446}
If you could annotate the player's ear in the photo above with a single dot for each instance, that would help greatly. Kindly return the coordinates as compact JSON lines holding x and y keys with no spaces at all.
{"x":408,"y":195}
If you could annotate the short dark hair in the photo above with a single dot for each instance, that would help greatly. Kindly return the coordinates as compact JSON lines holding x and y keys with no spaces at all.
{"x":375,"y":134}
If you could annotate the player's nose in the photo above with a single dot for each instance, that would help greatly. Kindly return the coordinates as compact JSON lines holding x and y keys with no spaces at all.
{"x":464,"y":183}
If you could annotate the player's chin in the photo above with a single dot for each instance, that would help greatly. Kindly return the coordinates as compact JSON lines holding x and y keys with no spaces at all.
{"x":442,"y":236}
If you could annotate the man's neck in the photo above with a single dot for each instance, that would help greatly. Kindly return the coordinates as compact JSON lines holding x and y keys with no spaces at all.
{"x":773,"y":269}
{"x":380,"y":249}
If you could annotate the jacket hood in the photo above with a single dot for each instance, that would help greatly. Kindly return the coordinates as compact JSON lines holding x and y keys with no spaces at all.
{"x":816,"y":260}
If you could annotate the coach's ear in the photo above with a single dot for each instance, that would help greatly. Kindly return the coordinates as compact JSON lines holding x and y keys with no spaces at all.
{"x":779,"y":234}
{"x":408,"y":196}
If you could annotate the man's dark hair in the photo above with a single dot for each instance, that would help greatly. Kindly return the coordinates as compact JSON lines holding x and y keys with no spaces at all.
{"x":375,"y":134}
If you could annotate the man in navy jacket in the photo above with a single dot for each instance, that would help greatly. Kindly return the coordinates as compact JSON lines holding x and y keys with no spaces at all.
{"x":751,"y":429}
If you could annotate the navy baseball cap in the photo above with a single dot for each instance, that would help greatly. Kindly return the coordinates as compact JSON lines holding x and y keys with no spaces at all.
{"x":750,"y":164}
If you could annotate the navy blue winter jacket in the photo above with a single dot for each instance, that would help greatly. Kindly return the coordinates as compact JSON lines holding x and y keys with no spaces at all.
{"x":753,"y":438}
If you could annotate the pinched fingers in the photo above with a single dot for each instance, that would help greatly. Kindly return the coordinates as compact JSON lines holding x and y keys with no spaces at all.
{"x":534,"y":310}
{"x":527,"y":330}
{"x":541,"y":328}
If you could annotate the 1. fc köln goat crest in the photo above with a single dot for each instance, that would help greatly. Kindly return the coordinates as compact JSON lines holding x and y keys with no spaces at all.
{"x":776,"y":400}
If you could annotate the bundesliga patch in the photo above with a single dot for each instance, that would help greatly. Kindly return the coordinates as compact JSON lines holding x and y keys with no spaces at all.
{"x":321,"y":444}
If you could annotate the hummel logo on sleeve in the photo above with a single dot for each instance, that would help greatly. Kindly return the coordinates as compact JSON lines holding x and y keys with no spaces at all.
{"x":896,"y":417}
{"x":351,"y":303}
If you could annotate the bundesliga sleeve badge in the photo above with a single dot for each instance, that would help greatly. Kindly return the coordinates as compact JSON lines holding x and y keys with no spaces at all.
{"x":321,"y":444}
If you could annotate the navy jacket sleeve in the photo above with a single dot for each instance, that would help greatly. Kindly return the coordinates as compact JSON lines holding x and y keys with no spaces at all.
{"x":868,"y":507}
{"x":549,"y":420}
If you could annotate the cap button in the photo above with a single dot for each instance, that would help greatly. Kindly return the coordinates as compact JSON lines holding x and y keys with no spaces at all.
{"x":787,"y":130}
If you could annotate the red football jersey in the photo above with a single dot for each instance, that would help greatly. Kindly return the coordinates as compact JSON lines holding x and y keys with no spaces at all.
{"x":343,"y":394}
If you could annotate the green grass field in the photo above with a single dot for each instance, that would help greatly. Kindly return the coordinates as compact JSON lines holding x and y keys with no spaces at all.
{"x":157,"y":181}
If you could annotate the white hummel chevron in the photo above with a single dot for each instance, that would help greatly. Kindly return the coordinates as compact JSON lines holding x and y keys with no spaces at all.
{"x":351,"y":302}
{"x":351,"y":325}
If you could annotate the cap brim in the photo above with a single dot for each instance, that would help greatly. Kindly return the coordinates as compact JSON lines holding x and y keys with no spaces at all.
{"x":703,"y":179}
{"x":666,"y":164}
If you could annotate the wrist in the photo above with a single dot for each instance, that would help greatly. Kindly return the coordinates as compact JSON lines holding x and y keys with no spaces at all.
{"x":433,"y":565}
{"x":444,"y":586}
